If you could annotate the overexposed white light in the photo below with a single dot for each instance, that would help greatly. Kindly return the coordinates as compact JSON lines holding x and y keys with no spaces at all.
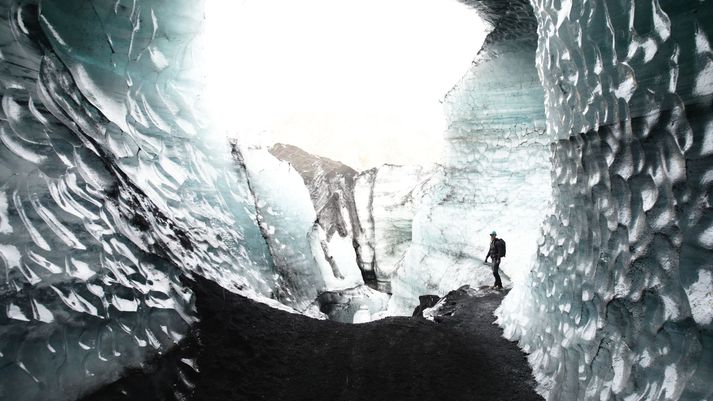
{"x":356,"y":81}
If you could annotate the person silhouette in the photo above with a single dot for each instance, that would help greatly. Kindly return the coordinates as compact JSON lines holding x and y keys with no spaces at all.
{"x":495,"y":252}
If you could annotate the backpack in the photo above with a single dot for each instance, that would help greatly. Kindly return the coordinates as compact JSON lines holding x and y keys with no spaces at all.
{"x":500,"y":244}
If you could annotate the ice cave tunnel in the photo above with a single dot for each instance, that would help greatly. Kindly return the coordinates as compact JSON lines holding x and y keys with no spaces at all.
{"x":121,"y":219}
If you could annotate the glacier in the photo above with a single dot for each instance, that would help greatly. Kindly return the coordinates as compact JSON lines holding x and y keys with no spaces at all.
{"x":581,"y":133}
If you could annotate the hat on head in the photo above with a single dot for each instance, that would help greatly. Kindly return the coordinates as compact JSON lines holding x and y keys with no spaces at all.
{"x":493,"y":233}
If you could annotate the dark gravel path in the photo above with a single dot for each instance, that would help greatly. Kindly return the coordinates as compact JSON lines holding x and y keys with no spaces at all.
{"x":253,"y":352}
{"x":248,"y":351}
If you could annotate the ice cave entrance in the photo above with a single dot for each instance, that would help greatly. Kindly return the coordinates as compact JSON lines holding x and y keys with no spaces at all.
{"x":413,"y":184}
{"x":358,"y":82}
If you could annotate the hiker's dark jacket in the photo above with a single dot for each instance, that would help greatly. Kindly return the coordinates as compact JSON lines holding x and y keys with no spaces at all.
{"x":496,"y":249}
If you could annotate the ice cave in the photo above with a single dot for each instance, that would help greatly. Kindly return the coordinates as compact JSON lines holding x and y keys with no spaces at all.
{"x":142,"y":258}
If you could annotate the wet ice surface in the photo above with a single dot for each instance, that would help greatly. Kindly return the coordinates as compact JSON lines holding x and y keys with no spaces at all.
{"x":618,"y":305}
{"x":85,"y":289}
{"x":108,"y":195}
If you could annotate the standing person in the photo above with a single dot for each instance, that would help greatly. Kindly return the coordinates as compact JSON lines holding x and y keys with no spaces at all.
{"x":497,"y":251}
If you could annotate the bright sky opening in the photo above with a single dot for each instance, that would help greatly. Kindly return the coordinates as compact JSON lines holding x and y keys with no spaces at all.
{"x":355,"y":81}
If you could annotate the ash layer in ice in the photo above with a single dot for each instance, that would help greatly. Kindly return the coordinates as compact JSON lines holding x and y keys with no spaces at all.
{"x":387,"y":199}
{"x":495,"y":170}
{"x":306,"y":212}
{"x":371,"y":211}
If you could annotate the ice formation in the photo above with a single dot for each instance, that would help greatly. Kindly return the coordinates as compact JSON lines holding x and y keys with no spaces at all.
{"x":387,"y":199}
{"x":332,"y":215}
{"x":618,"y":303}
{"x":337,"y":235}
{"x":582,"y":133}
{"x":112,"y":188}
{"x":496,"y":127}
{"x":306,"y":212}
{"x":88,"y":286}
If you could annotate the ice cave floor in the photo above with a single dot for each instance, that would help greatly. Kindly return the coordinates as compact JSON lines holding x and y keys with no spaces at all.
{"x":248,"y":351}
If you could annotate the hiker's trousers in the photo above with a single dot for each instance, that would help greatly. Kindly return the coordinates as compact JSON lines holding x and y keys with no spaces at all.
{"x":496,"y":267}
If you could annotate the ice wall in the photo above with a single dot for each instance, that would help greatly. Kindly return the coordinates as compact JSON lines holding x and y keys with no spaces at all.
{"x":112,"y":188}
{"x":85,"y":289}
{"x":496,"y":170}
{"x":387,"y":199}
{"x":334,"y":219}
{"x":136,"y":64}
{"x":619,"y":302}
{"x":328,"y":222}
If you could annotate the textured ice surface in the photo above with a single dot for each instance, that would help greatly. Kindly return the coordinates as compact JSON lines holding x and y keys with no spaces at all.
{"x":495,"y":172}
{"x":328,"y":222}
{"x":310,"y":255}
{"x":618,"y":304}
{"x":85,"y":290}
{"x":139,"y":74}
{"x":111,"y":189}
{"x":386,"y":200}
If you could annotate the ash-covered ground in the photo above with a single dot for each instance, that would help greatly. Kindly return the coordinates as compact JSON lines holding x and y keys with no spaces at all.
{"x":248,"y":351}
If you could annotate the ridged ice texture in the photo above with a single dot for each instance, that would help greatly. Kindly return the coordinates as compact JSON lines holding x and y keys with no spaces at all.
{"x":619,"y":302}
{"x":387,"y":199}
{"x":330,"y":187}
{"x":140,"y":72}
{"x":496,"y":168}
{"x":111,"y":189}
{"x":84,"y":291}
{"x":335,"y":233}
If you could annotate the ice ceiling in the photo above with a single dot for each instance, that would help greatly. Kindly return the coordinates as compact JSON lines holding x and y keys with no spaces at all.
{"x":582,"y":131}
